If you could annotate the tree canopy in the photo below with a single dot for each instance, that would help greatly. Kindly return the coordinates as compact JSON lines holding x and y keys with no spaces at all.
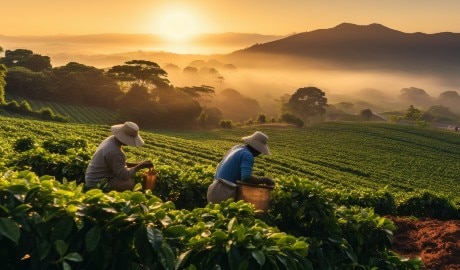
{"x":26,"y":58}
{"x":308,"y":102}
{"x":141,"y":72}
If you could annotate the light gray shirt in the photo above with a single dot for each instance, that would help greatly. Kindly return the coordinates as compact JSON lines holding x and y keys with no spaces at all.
{"x":109,"y":161}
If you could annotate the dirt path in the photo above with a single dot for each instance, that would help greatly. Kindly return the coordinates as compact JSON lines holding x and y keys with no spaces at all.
{"x":436,"y":242}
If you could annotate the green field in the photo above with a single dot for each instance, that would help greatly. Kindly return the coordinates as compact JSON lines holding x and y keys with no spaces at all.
{"x":75,"y":113}
{"x":335,"y":182}
{"x":336,"y":154}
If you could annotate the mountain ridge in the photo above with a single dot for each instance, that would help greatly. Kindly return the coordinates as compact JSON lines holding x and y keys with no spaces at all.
{"x":367,"y":45}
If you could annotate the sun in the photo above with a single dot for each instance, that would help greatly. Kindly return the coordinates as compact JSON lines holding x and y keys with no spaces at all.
{"x":177,"y":23}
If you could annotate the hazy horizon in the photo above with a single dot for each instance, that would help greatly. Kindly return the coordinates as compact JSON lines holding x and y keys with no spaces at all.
{"x":175,"y":28}
{"x":265,"y":84}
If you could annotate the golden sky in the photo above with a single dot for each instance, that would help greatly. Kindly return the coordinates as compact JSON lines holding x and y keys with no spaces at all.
{"x":176,"y":19}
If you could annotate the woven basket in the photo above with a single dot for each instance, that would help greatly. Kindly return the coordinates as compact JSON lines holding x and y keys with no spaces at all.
{"x":259,"y":195}
{"x":149,"y":180}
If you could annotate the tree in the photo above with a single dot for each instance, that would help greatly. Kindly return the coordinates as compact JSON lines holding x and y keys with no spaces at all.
{"x":214,"y":115}
{"x":440,"y":113}
{"x":138,"y":96}
{"x":308,"y":102}
{"x":292,"y":119}
{"x":197,"y":91}
{"x":181,"y":110}
{"x":262,"y":119}
{"x":26,"y":58}
{"x":142,"y":73}
{"x":236,"y":106}
{"x":81,"y":84}
{"x":23,"y":82}
{"x":345,"y":106}
{"x":202,"y":118}
{"x":138,"y":105}
{"x":226,"y":124}
{"x":2,"y":81}
{"x":412,"y":113}
{"x":190,"y":71}
{"x":416,"y":96}
{"x":450,"y":99}
{"x":366,"y":114}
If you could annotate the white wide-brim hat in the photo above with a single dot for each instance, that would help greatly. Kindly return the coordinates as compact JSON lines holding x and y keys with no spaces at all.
{"x":258,"y":141}
{"x":127,"y":133}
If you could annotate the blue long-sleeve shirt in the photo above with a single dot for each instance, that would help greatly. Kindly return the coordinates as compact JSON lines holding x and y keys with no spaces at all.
{"x":236,"y":165}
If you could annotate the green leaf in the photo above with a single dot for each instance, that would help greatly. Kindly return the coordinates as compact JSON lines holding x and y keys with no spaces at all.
{"x":31,"y":194}
{"x":18,"y":189}
{"x":183,"y":258}
{"x":335,"y":239}
{"x":61,"y":247}
{"x":10,"y":229}
{"x":351,"y":255}
{"x":167,"y":257}
{"x":177,"y":230}
{"x":62,"y":229}
{"x":74,"y":256}
{"x":64,"y":193}
{"x":66,"y":266}
{"x":92,"y":238}
{"x":219,"y":236}
{"x":282,"y":259}
{"x":138,"y":197}
{"x":155,"y":237}
{"x":21,"y":209}
{"x":44,"y":249}
{"x":277,"y":236}
{"x":381,"y":222}
{"x":4,"y":211}
{"x":230,"y":224}
{"x":300,"y":246}
{"x":259,"y":256}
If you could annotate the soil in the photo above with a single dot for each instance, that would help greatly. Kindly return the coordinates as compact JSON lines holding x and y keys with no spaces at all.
{"x":436,"y":242}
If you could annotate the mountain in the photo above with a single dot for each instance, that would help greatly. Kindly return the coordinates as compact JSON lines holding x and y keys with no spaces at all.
{"x":365,"y":46}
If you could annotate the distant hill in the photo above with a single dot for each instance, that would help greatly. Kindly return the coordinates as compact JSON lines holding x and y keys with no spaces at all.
{"x":65,"y":48}
{"x":366,"y":46}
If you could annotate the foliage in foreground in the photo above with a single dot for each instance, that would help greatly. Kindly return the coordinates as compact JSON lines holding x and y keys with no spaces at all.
{"x":46,"y":224}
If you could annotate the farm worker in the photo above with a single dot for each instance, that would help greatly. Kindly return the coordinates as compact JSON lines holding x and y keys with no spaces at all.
{"x":108,"y":168}
{"x":236,"y":165}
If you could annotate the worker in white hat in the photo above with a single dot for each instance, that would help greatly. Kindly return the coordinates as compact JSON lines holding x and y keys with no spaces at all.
{"x":237,"y":165}
{"x":108,"y":168}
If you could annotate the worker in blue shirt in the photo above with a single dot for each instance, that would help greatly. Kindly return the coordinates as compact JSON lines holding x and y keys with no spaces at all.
{"x":237,"y":165}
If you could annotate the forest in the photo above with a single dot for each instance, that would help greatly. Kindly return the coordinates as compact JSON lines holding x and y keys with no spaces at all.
{"x":141,"y":91}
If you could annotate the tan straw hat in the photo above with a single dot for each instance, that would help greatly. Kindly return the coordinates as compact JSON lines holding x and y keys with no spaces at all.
{"x":127,"y":133}
{"x":258,"y":141}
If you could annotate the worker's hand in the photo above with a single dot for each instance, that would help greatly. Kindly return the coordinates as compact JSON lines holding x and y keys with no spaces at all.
{"x":146,"y":164}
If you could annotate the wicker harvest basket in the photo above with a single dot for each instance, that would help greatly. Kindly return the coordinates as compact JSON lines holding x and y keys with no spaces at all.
{"x":259,"y":195}
{"x":149,"y":180}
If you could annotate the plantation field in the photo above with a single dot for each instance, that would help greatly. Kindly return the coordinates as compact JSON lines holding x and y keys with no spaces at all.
{"x":75,"y":113}
{"x":340,"y":155}
{"x":335,"y":185}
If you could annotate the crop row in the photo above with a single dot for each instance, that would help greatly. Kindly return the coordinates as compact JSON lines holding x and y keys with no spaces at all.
{"x":347,"y":155}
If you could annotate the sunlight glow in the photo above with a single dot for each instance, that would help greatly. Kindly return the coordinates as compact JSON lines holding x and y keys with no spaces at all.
{"x":178,"y":23}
